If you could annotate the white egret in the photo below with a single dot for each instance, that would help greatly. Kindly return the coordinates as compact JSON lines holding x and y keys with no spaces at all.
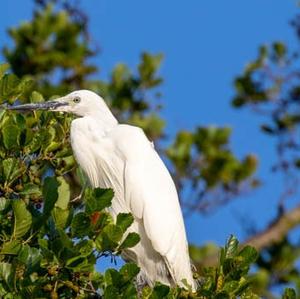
{"x":120,"y":157}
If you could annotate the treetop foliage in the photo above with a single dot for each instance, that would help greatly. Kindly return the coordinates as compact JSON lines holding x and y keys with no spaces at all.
{"x":51,"y":238}
{"x":51,"y":242}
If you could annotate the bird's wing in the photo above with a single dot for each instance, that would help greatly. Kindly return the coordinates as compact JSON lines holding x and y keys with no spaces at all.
{"x":151,"y":194}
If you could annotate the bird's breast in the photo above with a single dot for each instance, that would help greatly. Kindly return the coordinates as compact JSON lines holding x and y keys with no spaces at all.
{"x":97,"y":156}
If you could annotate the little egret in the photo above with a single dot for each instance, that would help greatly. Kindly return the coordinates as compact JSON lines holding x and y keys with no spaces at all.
{"x":120,"y":157}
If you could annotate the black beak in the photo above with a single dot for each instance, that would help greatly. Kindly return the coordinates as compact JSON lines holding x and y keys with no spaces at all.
{"x":50,"y":105}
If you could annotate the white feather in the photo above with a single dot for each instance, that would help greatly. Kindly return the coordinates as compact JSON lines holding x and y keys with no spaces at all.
{"x":122,"y":158}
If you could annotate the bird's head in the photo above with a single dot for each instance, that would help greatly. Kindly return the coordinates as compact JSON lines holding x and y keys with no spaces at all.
{"x":81,"y":103}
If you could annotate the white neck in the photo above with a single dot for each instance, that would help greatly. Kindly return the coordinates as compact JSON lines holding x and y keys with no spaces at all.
{"x":104,"y":119}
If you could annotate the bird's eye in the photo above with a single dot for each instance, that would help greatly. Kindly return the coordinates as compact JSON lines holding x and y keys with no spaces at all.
{"x":76,"y":100}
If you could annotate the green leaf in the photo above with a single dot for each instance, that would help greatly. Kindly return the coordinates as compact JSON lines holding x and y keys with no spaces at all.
{"x":108,"y":239}
{"x":112,"y":277}
{"x":124,"y":220}
{"x":80,"y":225}
{"x":231,"y":286}
{"x":64,"y":239}
{"x":53,"y":146}
{"x":11,"y":87}
{"x":231,"y":246}
{"x":160,"y":291}
{"x":97,"y":199}
{"x":35,"y":142}
{"x":148,"y":68}
{"x":60,"y":217}
{"x":11,"y":134}
{"x":130,"y":241}
{"x":3,"y":68}
{"x":44,"y":248}
{"x":222,"y":295}
{"x":30,"y":256}
{"x":61,"y":212}
{"x":63,"y":194}
{"x":111,"y":292}
{"x":113,"y":232}
{"x":279,"y":49}
{"x":289,"y":293}
{"x":31,"y":189}
{"x":249,"y":254}
{"x":129,"y":271}
{"x":50,"y":195}
{"x":36,"y":97}
{"x":22,"y":219}
{"x":12,"y":248}
{"x":85,"y":247}
{"x":6,"y":273}
{"x":11,"y":169}
{"x":100,"y":219}
{"x":78,"y":263}
{"x":8,"y":86}
{"x":82,"y":177}
{"x":3,"y":203}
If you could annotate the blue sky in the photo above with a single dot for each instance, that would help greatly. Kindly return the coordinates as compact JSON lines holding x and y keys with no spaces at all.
{"x":206,"y":44}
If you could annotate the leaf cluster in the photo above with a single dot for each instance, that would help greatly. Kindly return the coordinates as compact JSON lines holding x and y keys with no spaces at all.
{"x":52,"y":250}
{"x":204,"y":158}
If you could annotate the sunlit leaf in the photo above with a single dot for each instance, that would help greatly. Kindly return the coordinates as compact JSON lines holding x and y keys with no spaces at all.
{"x":22,"y":219}
{"x":124,"y":220}
{"x":30,"y":256}
{"x":11,"y":135}
{"x":60,"y":216}
{"x":6,"y":273}
{"x":11,"y":247}
{"x":3,"y":68}
{"x":11,"y":169}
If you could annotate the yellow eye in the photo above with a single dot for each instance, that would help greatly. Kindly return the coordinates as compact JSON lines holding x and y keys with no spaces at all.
{"x":76,"y":100}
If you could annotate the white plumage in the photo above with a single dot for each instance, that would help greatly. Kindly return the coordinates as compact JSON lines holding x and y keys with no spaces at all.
{"x":121,"y":157}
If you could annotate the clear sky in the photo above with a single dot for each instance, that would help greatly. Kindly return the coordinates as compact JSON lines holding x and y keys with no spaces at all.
{"x":206,"y":44}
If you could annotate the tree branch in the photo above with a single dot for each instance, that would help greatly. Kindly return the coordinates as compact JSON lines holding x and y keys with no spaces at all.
{"x":276,"y":231}
{"x":273,"y":234}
